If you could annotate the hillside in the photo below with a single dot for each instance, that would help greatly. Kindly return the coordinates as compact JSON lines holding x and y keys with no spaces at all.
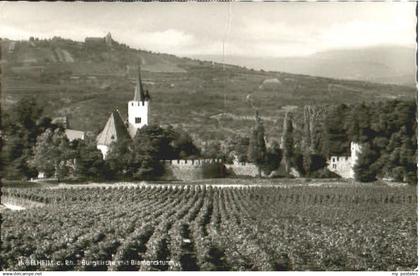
{"x":382,"y":64}
{"x":86,"y":80}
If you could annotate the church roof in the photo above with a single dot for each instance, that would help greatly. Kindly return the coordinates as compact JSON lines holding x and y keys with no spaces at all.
{"x":114,"y":130}
{"x":139,"y":93}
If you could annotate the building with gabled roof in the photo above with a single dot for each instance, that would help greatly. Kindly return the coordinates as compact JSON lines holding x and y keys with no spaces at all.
{"x":114,"y":130}
{"x":138,"y":116}
{"x":73,"y":134}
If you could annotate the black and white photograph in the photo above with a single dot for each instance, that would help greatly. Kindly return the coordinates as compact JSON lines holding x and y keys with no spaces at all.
{"x":208,"y":136}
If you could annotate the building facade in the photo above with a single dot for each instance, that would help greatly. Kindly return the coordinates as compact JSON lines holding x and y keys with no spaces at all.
{"x":344,"y":165}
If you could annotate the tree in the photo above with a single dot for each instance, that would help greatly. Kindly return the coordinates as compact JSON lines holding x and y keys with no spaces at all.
{"x":141,"y":157}
{"x":183,"y":145}
{"x":158,"y":139}
{"x":312,"y":117}
{"x":150,"y":145}
{"x":43,"y":152}
{"x":335,"y":139}
{"x":168,"y":142}
{"x":273,"y":158}
{"x":311,"y":139}
{"x":237,"y":147}
{"x":313,"y":163}
{"x":53,"y":154}
{"x":364,"y":171}
{"x":119,"y":159}
{"x":287,"y":142}
{"x":15,"y":154}
{"x":390,"y":131}
{"x":89,"y":161}
{"x":257,"y":149}
{"x":20,"y":127}
{"x":213,"y":149}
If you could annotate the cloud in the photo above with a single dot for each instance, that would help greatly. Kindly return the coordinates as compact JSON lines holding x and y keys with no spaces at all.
{"x":14,"y":32}
{"x":365,"y":33}
{"x":247,"y":29}
{"x":275,"y":39}
{"x":265,"y":31}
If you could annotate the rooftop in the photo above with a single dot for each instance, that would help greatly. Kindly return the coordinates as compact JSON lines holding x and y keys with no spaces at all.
{"x":114,"y":130}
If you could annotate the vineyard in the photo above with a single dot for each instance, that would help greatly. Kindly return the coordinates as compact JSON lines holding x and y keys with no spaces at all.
{"x":193,"y":227}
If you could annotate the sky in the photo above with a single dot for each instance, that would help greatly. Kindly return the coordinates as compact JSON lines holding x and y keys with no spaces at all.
{"x":248,"y":29}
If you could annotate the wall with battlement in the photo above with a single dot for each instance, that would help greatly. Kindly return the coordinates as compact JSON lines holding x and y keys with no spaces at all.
{"x":242,"y":169}
{"x":192,"y":162}
{"x":192,"y":169}
{"x":341,"y":165}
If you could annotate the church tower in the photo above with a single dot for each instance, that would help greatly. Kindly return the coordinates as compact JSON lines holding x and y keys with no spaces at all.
{"x":138,"y":108}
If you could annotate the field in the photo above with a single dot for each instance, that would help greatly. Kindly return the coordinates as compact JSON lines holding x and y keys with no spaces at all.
{"x":199,"y":227}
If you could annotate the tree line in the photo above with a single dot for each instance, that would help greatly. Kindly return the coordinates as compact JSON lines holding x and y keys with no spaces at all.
{"x":31,"y":143}
{"x":387,"y":132}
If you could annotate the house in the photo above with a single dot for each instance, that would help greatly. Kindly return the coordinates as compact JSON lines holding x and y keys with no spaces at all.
{"x":71,"y":134}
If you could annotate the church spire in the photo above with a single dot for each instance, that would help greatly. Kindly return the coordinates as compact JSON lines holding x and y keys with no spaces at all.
{"x":139,"y":94}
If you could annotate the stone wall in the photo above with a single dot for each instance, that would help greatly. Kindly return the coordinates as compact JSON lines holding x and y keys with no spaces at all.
{"x":205,"y":168}
{"x":242,"y":169}
{"x":343,"y":165}
{"x":193,"y":169}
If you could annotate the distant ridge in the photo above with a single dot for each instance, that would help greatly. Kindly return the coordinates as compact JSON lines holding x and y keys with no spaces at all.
{"x":382,"y":64}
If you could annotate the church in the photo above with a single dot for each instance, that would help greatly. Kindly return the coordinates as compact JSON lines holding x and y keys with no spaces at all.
{"x":138,"y":116}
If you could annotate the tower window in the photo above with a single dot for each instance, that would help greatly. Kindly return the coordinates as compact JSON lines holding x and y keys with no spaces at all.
{"x":132,"y":104}
{"x":138,"y":120}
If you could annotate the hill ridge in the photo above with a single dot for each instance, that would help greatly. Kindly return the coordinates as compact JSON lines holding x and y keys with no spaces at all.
{"x":85,"y":82}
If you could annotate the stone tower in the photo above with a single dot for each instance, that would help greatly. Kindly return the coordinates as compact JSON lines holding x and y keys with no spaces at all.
{"x":138,"y":108}
{"x":355,"y":150}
